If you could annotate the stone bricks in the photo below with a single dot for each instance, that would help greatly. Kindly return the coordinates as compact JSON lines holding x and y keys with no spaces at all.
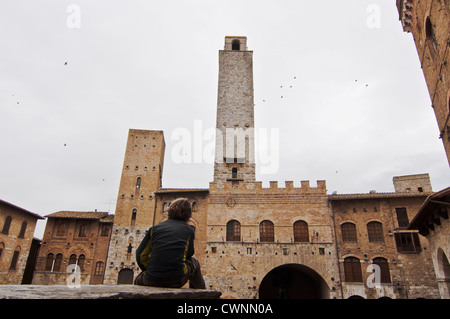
{"x":429,"y":23}
{"x":80,"y":238}
{"x":16,"y":235}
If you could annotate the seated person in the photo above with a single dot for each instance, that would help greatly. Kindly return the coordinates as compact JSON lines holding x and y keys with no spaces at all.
{"x":165,"y":255}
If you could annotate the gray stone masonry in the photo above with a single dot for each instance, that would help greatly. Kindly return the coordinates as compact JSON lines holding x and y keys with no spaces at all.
{"x":103,"y":292}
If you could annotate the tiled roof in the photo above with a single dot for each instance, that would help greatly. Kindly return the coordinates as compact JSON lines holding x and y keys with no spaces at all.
{"x":21,"y":209}
{"x":80,"y":215}
{"x":181,"y":190}
{"x":376,"y":195}
{"x":107,"y":219}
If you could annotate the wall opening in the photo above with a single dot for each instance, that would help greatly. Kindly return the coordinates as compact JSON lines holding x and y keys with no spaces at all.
{"x":125,"y":277}
{"x":293,"y":281}
{"x":235,"y":45}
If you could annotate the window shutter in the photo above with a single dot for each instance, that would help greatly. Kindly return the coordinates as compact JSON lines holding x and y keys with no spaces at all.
{"x":398,"y":242}
{"x":416,"y":242}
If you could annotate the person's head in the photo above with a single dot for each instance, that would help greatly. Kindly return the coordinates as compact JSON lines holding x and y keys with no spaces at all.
{"x":180,"y":209}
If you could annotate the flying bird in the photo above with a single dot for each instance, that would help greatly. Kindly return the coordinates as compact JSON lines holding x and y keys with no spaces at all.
{"x":65,"y":63}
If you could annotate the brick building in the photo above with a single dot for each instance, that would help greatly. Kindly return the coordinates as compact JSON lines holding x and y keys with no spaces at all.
{"x":17,"y":227}
{"x":433,"y":223}
{"x":275,"y":242}
{"x":74,"y":238}
{"x":429,"y":23}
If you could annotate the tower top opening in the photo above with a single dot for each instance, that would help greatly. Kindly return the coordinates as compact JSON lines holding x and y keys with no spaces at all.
{"x":236,"y":43}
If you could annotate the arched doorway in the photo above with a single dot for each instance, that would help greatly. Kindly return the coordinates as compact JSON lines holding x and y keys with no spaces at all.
{"x":443,"y":273}
{"x":125,"y":277}
{"x":293,"y":281}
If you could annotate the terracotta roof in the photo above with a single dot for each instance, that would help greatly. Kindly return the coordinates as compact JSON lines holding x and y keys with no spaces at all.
{"x":181,"y":190}
{"x":428,"y":208}
{"x":21,"y":209}
{"x":375,"y":195}
{"x":107,"y":219}
{"x":80,"y":215}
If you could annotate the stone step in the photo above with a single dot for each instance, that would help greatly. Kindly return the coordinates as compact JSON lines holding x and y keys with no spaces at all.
{"x":103,"y":292}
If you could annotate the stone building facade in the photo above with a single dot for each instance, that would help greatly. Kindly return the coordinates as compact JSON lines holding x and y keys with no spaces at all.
{"x":276,"y":242}
{"x":433,"y":223}
{"x":372,"y":229}
{"x":72,"y":240}
{"x":429,"y":23}
{"x":17,"y":227}
{"x":136,"y":202}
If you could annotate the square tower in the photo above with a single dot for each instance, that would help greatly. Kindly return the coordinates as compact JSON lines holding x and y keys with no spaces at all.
{"x":136,"y":203}
{"x":235,"y":150}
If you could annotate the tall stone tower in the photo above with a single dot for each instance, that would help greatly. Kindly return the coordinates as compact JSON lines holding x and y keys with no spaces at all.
{"x":429,"y":23}
{"x":135,"y":208}
{"x":235,"y":150}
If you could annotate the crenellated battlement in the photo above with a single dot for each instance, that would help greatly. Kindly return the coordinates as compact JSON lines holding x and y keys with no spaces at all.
{"x":236,"y":187}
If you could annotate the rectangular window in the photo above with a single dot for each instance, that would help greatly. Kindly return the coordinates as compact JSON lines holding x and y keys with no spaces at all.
{"x":407,"y":242}
{"x":402,"y":217}
{"x":14,"y":260}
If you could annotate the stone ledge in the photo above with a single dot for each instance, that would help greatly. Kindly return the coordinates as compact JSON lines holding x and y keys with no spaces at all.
{"x":103,"y":292}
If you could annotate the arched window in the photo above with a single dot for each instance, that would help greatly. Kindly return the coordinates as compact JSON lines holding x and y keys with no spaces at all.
{"x":23,"y":229}
{"x":194,"y":207}
{"x":133,"y":217}
{"x":266,"y":231}
{"x":235,"y":45}
{"x":61,"y":230}
{"x":82,"y":231}
{"x":352,"y":269}
{"x":430,"y":35}
{"x":81,"y":260}
{"x":384,"y":269}
{"x":57,"y":265}
{"x":49,"y":262}
{"x":15,"y":258}
{"x":99,"y":266}
{"x":6,"y":225}
{"x":233,"y":230}
{"x":375,"y":231}
{"x":73,"y":259}
{"x":138,"y":182}
{"x":348,"y":233}
{"x":301,"y":233}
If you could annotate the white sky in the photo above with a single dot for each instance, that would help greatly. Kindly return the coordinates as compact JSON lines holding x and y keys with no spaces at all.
{"x":154,"y":65}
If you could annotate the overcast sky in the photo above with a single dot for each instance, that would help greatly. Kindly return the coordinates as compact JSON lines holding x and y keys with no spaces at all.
{"x":358,"y":112}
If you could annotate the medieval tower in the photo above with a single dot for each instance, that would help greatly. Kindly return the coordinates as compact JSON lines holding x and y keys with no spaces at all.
{"x":135,"y":209}
{"x":282,"y":241}
{"x":235,"y":151}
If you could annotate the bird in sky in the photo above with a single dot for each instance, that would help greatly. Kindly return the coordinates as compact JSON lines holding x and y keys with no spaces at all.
{"x":65,"y":63}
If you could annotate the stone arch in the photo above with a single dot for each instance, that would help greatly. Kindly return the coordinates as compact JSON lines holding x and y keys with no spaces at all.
{"x":293,"y":281}
{"x":443,"y":273}
{"x":125,"y":277}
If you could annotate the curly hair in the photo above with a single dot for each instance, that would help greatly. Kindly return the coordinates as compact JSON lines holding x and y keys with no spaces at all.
{"x":180,"y":209}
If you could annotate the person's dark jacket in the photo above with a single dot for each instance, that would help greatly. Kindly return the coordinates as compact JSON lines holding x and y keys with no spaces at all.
{"x":164,"y":250}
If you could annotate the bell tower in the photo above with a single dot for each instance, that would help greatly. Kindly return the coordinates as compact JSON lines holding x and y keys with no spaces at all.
{"x":235,"y":140}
